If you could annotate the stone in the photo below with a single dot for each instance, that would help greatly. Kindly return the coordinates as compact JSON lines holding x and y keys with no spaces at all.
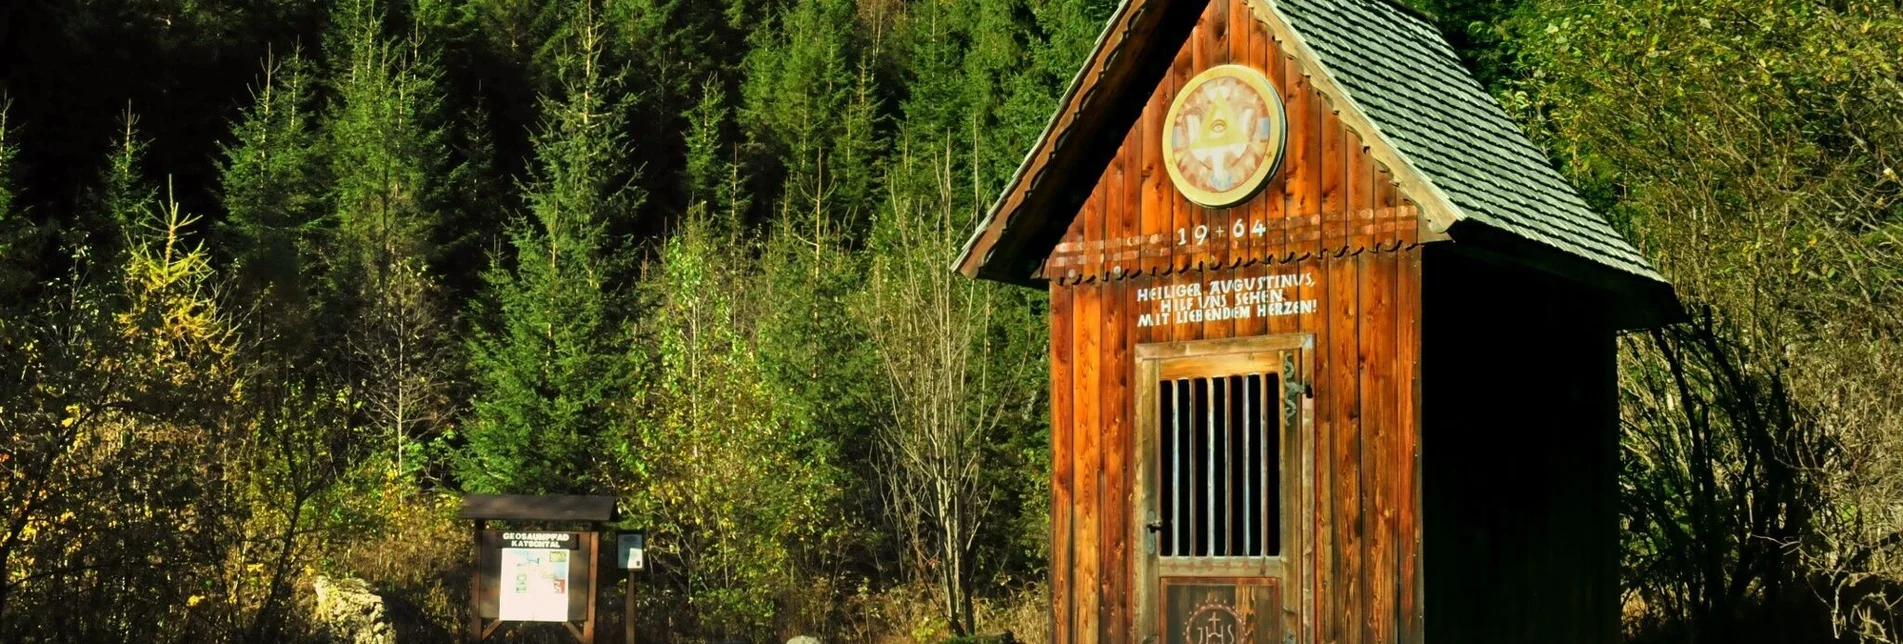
{"x":348,"y":612}
{"x":803,"y":639}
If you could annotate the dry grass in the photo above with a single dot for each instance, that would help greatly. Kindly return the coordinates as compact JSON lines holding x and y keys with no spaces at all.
{"x":418,"y":562}
{"x":911,"y":615}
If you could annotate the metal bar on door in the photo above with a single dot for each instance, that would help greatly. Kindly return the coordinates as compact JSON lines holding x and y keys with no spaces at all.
{"x":1249,"y":430}
{"x":1209,"y":467}
{"x":1176,"y":466}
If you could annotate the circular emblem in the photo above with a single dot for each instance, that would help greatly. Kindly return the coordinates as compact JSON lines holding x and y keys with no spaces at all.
{"x":1216,"y":623}
{"x":1225,"y":138}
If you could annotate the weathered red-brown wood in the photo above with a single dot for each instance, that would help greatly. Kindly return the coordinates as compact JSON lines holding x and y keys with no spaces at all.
{"x":1334,"y":169}
{"x":1268,"y":210}
{"x":1130,"y":224}
{"x":1302,"y":155}
{"x":1361,"y":575}
{"x":1360,"y":188}
{"x":1088,"y":428}
{"x":1182,"y":215}
{"x":1063,"y":448}
{"x":1407,"y":366}
{"x":1216,"y":41}
{"x":1378,"y":428}
{"x":1115,"y":197}
{"x":1156,"y":189}
{"x":1333,"y":212}
{"x":1116,"y":447}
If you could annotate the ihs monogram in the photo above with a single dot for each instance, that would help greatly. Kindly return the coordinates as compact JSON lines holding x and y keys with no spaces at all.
{"x":1217,"y":623}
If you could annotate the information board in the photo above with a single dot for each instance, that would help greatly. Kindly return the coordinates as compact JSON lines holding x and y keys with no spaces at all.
{"x":535,"y":576}
{"x":534,"y":585}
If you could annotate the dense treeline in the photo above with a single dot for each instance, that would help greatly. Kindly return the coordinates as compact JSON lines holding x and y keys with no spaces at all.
{"x":1751,"y":148}
{"x":279,"y":279}
{"x":282,"y":277}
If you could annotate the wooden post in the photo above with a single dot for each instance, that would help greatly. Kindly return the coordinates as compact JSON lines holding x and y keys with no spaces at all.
{"x":628,"y":616}
{"x":594,"y":588}
{"x":475,"y":586}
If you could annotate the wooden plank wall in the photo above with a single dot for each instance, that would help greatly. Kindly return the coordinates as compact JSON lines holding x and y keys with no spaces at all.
{"x":1332,"y":213}
{"x":1521,"y":496}
{"x":1365,"y":536}
{"x":1330,"y":193}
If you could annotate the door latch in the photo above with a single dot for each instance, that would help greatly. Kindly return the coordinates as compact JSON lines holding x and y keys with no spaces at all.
{"x":1153,"y":526}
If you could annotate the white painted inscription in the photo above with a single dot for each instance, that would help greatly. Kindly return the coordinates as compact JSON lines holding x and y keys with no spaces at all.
{"x":1241,"y":298}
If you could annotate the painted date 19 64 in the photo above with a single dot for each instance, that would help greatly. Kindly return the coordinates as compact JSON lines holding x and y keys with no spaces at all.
{"x":1238,"y":229}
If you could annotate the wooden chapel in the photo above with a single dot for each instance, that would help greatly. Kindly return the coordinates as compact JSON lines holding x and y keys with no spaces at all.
{"x":1332,"y":344}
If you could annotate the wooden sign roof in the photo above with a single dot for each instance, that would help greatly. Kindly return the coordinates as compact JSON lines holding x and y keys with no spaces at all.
{"x":484,"y":507}
{"x":1392,"y":77}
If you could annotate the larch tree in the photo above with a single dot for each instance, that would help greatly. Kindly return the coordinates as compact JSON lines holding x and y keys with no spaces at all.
{"x":550,"y":368}
{"x":123,"y":421}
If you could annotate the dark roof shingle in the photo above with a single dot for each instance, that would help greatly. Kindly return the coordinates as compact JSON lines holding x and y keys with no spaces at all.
{"x":1402,"y":75}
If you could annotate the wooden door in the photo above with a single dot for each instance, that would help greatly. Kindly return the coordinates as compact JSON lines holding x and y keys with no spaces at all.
{"x":1219,"y":517}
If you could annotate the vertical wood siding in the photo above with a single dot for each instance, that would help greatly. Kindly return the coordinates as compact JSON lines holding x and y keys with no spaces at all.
{"x":1333,"y":212}
{"x":1329,"y":195}
{"x":1363,"y":561}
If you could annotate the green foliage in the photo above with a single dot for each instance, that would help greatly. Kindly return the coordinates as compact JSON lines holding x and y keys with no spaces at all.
{"x":124,"y":198}
{"x":15,"y":230}
{"x":1749,"y":147}
{"x":120,"y":446}
{"x":737,"y":216}
{"x":550,"y":371}
{"x":392,"y":177}
{"x":388,"y":155}
{"x":733,"y":490}
{"x":808,"y":100}
{"x":273,"y":179}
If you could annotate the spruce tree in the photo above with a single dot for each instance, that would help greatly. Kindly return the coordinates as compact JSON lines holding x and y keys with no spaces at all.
{"x":15,"y":230}
{"x":391,"y":165}
{"x":273,"y":179}
{"x":389,"y":157}
{"x":549,"y":370}
{"x":811,"y":102}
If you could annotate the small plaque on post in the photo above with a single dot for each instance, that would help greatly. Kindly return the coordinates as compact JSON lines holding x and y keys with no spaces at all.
{"x":629,"y":551}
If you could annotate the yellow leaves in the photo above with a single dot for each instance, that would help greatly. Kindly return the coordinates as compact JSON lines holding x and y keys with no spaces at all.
{"x":194,"y":601}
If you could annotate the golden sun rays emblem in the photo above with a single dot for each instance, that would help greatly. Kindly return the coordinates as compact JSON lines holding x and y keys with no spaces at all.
{"x":1225,"y":137}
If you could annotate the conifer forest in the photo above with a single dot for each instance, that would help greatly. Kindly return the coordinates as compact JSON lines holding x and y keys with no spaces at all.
{"x":282,"y":280}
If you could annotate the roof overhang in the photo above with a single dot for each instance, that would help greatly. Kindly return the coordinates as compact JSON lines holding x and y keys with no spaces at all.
{"x":1130,"y":58}
{"x":1638,"y":302}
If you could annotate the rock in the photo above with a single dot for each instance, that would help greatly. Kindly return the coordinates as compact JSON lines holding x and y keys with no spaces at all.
{"x":803,"y":639}
{"x":348,"y":612}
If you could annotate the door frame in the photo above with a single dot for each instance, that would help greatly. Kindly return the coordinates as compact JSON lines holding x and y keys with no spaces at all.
{"x":1298,"y":350}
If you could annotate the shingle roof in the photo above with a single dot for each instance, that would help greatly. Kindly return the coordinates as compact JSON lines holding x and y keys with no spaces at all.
{"x":1399,"y":72}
